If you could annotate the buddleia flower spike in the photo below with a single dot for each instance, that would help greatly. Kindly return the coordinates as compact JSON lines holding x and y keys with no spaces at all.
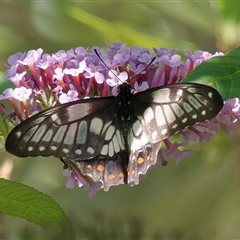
{"x":106,"y":116}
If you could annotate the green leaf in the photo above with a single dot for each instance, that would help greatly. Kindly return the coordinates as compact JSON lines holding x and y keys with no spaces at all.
{"x":221,"y":72}
{"x":19,"y":200}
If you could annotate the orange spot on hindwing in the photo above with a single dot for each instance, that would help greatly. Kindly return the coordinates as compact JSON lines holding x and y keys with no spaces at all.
{"x":140,"y":160}
{"x":121,"y":175}
{"x":111,"y":176}
{"x":100,"y":168}
{"x":89,"y":167}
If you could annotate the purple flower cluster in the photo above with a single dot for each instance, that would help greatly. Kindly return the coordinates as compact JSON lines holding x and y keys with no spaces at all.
{"x":41,"y":80}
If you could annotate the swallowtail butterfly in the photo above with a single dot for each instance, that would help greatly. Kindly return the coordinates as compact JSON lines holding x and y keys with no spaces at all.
{"x":114,"y":139}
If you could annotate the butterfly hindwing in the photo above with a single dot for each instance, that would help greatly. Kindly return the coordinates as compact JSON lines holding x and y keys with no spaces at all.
{"x":108,"y":170}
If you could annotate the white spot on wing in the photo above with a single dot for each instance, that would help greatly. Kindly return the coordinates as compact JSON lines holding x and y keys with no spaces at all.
{"x":81,"y":133}
{"x":187,"y":107}
{"x":120,"y":141}
{"x":154,"y":135}
{"x":169,"y":114}
{"x":144,"y":139}
{"x":70,"y":136}
{"x":136,"y":145}
{"x":54,"y":117}
{"x":54,"y":148}
{"x":109,"y":133}
{"x":116,"y":144}
{"x":41,"y":148}
{"x":110,"y":149}
{"x":38,"y":132}
{"x":162,"y":96}
{"x":194,"y":102}
{"x":96,"y":125}
{"x":30,"y":148}
{"x":106,"y":125}
{"x":178,"y":111}
{"x":104,"y":150}
{"x":180,"y":92}
{"x":210,"y":94}
{"x":148,"y":115}
{"x":137,"y":128}
{"x":174,"y":126}
{"x":192,"y":90}
{"x":159,"y":116}
{"x":90,"y":150}
{"x":18,"y":134}
{"x":203,"y":112}
{"x":65,"y":150}
{"x":184,"y":120}
{"x":164,"y":131}
{"x":78,"y":151}
{"x":48,"y":136}
{"x":58,"y":137}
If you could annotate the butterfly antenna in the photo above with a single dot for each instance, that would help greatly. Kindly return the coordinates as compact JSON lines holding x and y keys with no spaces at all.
{"x":145,"y":67}
{"x":115,"y":74}
{"x":103,"y":61}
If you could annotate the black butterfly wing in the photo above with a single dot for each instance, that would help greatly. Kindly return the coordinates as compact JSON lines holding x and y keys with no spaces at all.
{"x":174,"y":107}
{"x":89,"y":132}
{"x":167,"y":110}
{"x":86,"y":131}
{"x":75,"y":130}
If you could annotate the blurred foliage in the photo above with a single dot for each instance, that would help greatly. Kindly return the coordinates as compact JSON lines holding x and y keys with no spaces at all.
{"x":197,"y":199}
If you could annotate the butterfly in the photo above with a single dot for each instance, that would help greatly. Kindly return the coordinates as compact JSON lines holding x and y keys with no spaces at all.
{"x":115,"y":139}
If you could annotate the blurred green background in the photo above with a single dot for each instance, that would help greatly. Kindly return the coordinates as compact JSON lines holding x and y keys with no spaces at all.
{"x":197,"y":199}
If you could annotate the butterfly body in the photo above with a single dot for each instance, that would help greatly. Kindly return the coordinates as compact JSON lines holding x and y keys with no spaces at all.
{"x":115,"y":139}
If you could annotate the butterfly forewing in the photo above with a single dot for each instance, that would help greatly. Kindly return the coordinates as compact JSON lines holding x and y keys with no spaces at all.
{"x":76,"y":130}
{"x":175,"y":107}
{"x":115,"y":139}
